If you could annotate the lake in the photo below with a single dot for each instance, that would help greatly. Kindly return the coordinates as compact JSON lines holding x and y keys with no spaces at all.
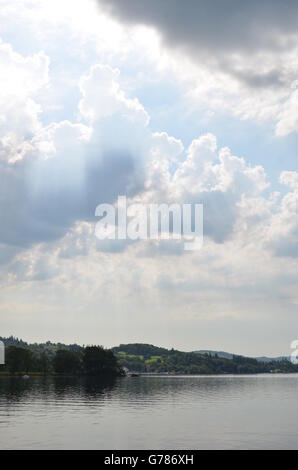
{"x":251,"y":412}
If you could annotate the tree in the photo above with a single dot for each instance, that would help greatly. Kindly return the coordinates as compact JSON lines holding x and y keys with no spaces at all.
{"x":28,"y":360}
{"x":67,"y":362}
{"x":19,"y":359}
{"x":44,"y":363}
{"x":97,"y":361}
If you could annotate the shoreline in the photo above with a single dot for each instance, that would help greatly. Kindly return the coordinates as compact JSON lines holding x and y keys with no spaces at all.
{"x":20,"y":375}
{"x":4,"y":375}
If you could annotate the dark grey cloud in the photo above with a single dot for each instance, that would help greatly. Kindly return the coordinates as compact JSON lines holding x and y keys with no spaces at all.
{"x":212,"y":30}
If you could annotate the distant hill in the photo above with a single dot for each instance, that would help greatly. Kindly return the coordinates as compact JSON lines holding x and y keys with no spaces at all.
{"x":222,"y":354}
{"x":230,"y":356}
{"x":145,"y":358}
{"x":138,"y":349}
{"x":273,"y":359}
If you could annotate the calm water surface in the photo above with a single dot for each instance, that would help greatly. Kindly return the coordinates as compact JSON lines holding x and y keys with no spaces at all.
{"x":150,"y":413}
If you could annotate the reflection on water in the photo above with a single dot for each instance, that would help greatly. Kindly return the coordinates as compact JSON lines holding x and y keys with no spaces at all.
{"x":149,"y":413}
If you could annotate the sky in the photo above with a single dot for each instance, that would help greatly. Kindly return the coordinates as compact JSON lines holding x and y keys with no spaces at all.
{"x":164,"y":102}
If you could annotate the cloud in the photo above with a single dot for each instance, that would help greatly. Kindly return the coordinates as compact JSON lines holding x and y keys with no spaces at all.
{"x":219,"y":32}
{"x":67,"y":168}
{"x":102,"y":97}
{"x":282,"y":235}
{"x":288,"y":116}
{"x":200,"y":23}
{"x":209,"y":176}
{"x":231,"y":58}
{"x":250,"y":85}
{"x":22,"y":78}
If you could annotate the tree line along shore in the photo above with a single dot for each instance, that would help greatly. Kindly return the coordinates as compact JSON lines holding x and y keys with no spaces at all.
{"x":59,"y":359}
{"x":89,"y":361}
